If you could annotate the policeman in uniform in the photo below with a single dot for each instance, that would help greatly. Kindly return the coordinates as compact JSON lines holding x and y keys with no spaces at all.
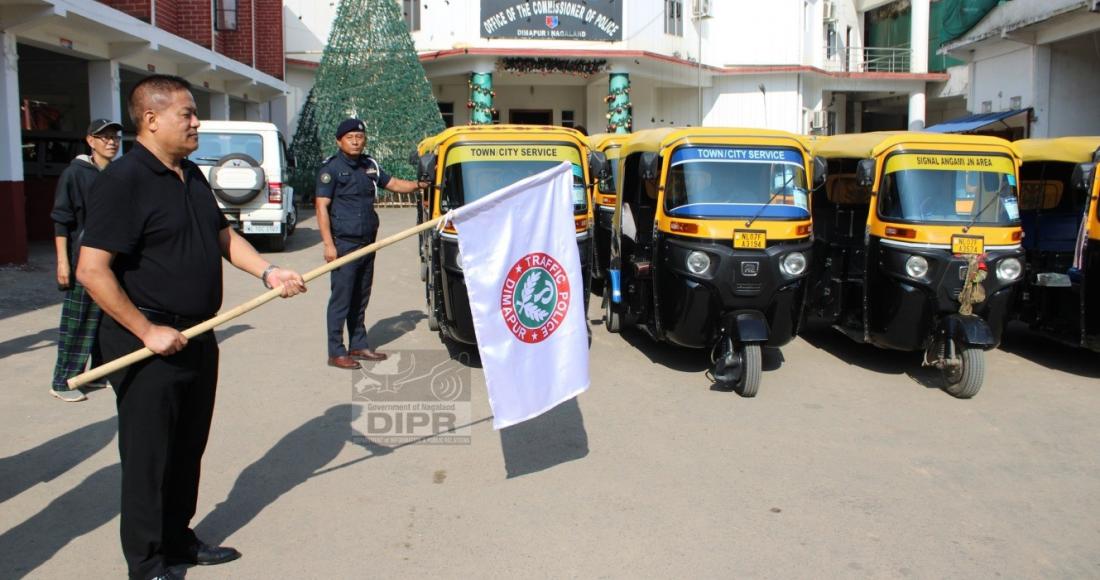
{"x":347,"y":186}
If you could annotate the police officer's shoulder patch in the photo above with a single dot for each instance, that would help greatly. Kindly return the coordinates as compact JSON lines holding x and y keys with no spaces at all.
{"x":327,"y":159}
{"x":326,"y":177}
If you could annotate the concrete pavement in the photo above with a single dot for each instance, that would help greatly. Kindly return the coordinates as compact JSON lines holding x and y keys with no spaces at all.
{"x":846,"y":464}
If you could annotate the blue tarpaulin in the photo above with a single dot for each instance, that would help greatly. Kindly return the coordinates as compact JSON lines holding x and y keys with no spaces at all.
{"x":972,"y":122}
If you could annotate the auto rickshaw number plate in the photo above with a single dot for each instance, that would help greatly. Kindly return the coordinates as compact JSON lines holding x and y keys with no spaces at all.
{"x":967,"y":245}
{"x":750,"y":239}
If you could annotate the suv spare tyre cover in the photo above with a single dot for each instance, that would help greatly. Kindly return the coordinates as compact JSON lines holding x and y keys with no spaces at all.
{"x":237,"y":178}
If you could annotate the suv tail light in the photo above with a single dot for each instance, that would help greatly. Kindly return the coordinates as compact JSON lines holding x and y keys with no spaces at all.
{"x":274,"y":192}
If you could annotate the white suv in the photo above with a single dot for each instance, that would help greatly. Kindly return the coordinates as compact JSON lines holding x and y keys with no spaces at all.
{"x":247,"y":164}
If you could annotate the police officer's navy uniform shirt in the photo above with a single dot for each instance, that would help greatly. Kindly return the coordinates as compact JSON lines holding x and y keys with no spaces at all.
{"x":352,"y":184}
{"x":164,"y":230}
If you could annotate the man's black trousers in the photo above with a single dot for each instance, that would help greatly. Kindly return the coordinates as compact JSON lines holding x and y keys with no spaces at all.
{"x":164,"y":410}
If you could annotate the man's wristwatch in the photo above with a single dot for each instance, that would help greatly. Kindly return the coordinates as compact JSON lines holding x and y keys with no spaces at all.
{"x":263,"y":277}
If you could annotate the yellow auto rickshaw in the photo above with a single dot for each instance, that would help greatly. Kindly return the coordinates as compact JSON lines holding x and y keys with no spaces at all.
{"x":1059,"y":204}
{"x":710,"y":242}
{"x":604,"y":204}
{"x":466,"y":163}
{"x":917,"y":246}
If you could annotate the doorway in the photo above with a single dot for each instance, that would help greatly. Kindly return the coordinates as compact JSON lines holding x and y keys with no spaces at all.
{"x":531,"y":116}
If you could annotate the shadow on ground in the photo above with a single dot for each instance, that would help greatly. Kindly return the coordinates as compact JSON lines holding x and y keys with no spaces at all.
{"x":84,"y":508}
{"x":392,"y":328}
{"x":45,"y":338}
{"x":53,"y":458}
{"x":550,"y":439}
{"x":1048,"y":353}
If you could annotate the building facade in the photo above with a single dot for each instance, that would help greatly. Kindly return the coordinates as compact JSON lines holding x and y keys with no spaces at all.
{"x":69,"y":61}
{"x":799,"y":65}
{"x":1037,"y":61}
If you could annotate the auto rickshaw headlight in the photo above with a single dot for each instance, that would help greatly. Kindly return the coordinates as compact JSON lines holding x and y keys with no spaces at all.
{"x":793,"y":264}
{"x":1009,"y":270}
{"x":916,"y":267}
{"x":698,"y":262}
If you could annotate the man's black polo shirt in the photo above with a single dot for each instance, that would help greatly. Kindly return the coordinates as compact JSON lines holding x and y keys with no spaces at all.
{"x":164,"y":232}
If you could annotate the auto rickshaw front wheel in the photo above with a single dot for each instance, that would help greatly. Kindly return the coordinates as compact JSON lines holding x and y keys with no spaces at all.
{"x":753,"y":361}
{"x":964,"y":378}
{"x":738,"y":366}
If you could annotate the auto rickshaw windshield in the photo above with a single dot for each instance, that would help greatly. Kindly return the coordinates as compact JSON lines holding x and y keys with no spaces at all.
{"x":949,"y":189}
{"x":466,"y":180}
{"x":725,"y":182}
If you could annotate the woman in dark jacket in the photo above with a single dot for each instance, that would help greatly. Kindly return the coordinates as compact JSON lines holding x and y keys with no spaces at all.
{"x":79,"y":314}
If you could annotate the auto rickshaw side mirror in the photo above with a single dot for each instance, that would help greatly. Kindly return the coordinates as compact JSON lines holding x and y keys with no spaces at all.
{"x":821,"y":171}
{"x":425,"y":167}
{"x":650,"y":166}
{"x":414,"y":158}
{"x":1083,"y":174}
{"x":597,"y":165}
{"x":865,"y":173}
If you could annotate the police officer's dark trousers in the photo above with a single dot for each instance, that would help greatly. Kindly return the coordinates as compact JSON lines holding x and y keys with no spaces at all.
{"x":164,"y":409}
{"x":347,"y":306}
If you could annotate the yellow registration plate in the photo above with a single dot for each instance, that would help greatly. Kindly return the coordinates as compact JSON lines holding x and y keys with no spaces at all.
{"x":750,"y":239}
{"x":967,"y":245}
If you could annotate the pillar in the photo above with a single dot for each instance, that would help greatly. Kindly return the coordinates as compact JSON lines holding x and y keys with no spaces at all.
{"x":481,"y":98}
{"x":219,"y":107}
{"x":252,"y":111}
{"x":918,"y":36}
{"x":916,"y":110}
{"x":104,"y":98}
{"x":13,"y":218}
{"x":280,"y":114}
{"x":619,"y":118}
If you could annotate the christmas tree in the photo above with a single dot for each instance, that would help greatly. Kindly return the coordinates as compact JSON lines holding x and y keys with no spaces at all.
{"x":369,"y":70}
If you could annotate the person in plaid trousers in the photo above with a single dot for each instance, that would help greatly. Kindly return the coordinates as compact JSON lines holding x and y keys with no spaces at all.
{"x":79,"y":314}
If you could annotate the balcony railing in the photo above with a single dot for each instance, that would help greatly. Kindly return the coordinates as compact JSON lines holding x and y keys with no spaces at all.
{"x":868,"y":59}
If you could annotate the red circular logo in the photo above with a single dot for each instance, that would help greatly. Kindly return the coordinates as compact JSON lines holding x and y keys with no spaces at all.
{"x":535,"y":297}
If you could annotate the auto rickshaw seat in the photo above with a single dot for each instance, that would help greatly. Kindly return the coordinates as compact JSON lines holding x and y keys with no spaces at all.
{"x":851,"y":203}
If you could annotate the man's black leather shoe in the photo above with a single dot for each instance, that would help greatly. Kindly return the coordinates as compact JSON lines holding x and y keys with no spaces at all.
{"x":205,"y":555}
{"x":168,"y":575}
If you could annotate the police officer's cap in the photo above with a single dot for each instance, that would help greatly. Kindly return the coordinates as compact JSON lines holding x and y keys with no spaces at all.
{"x":349,"y":125}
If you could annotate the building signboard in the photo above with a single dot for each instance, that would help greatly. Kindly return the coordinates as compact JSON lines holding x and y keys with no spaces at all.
{"x":597,"y":20}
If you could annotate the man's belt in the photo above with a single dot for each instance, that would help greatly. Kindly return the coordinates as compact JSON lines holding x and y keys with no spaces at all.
{"x":168,"y":319}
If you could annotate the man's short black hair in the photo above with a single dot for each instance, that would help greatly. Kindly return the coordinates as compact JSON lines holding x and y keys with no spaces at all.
{"x":151,"y":93}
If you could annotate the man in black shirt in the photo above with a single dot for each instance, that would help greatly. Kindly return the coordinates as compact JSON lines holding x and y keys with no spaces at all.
{"x":151,"y":258}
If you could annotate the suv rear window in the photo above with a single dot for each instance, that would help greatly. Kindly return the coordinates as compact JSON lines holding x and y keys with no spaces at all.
{"x":214,"y":146}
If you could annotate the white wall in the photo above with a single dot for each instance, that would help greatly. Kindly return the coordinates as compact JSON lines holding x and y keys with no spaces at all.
{"x":740,"y":103}
{"x":999,"y":76}
{"x":1074,"y":84}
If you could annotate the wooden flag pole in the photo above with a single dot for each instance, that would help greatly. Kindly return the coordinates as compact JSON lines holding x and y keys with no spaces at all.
{"x":144,"y":353}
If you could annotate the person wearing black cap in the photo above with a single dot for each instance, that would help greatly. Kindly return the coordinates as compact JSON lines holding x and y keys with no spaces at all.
{"x":79,"y":314}
{"x":347,"y":186}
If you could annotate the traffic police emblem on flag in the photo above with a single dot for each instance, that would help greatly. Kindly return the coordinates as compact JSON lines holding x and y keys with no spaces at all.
{"x":535,"y":297}
{"x":522,"y":269}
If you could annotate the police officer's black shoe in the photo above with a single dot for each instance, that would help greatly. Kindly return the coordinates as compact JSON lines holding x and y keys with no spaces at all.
{"x":204,"y":555}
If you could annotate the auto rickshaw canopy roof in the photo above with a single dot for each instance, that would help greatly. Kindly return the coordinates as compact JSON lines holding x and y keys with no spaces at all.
{"x":1067,"y":149}
{"x":601,"y":141}
{"x":506,"y":132}
{"x":653,"y":140}
{"x":865,"y":145}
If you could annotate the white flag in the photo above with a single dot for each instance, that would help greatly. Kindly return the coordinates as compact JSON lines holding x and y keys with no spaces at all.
{"x":526,"y":291}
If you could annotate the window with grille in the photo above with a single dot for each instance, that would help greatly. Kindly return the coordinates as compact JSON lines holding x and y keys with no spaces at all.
{"x":674,"y":17}
{"x":225,"y":14}
{"x":567,"y":119}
